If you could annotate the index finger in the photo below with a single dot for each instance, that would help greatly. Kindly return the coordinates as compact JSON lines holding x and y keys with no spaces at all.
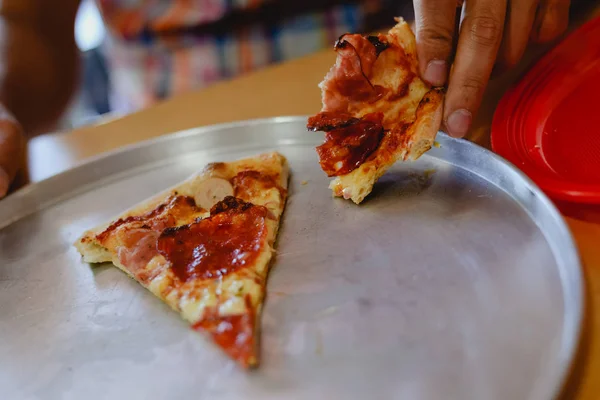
{"x":478,"y":43}
{"x":434,"y":28}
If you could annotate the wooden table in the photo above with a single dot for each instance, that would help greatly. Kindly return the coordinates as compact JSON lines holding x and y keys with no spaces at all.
{"x":290,"y":89}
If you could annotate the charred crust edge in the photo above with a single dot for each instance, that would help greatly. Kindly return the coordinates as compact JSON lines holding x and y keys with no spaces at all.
{"x":429,"y":96}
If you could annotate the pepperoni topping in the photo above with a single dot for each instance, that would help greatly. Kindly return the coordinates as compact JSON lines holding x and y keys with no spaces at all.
{"x":161,"y":217}
{"x":360,"y":49}
{"x":138,"y":247}
{"x":228,"y":240}
{"x":346,"y":148}
{"x":328,"y":121}
{"x":234,"y":333}
{"x":349,"y":79}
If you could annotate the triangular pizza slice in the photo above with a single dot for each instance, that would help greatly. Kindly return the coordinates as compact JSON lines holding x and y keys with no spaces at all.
{"x":376,"y":110}
{"x":204,"y":247}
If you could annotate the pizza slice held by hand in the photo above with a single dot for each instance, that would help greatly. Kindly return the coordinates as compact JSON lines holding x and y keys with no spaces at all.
{"x":204,"y":247}
{"x":376,"y":110}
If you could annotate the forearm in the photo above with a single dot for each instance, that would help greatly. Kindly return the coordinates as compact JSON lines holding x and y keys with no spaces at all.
{"x":38,"y":64}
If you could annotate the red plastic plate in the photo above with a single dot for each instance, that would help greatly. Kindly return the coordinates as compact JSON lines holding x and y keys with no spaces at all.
{"x":548,"y":125}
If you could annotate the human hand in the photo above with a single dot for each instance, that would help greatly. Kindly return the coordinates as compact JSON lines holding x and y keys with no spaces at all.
{"x":491,"y":34}
{"x":12,"y":145}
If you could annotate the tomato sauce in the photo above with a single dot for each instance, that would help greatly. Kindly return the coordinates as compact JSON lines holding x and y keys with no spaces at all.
{"x":230,"y":239}
{"x":346,"y":148}
{"x":233,"y":333}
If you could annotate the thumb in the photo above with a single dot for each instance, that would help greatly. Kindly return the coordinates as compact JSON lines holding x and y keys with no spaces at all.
{"x":434,"y":29}
{"x":12,"y":146}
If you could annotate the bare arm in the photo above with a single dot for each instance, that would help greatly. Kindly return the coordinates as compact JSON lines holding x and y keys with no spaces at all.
{"x":38,"y":60}
{"x":38,"y":73}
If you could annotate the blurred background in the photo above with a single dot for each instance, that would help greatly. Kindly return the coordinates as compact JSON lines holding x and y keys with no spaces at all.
{"x":95,"y":97}
{"x":92,"y":99}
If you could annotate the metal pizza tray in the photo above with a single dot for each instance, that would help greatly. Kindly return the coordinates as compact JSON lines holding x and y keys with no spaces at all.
{"x":455,"y":279}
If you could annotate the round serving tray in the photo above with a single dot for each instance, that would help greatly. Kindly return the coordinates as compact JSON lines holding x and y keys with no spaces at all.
{"x":456,"y":279}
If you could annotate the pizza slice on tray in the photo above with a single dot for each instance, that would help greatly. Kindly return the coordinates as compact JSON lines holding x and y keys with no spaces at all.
{"x":204,"y":247}
{"x":376,"y":110}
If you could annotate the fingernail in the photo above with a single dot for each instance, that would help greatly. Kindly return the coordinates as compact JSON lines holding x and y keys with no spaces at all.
{"x":459,"y":122}
{"x":436,"y":72}
{"x":4,"y":182}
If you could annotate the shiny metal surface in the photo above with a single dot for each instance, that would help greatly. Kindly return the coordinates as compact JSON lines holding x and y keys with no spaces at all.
{"x":456,"y":279}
